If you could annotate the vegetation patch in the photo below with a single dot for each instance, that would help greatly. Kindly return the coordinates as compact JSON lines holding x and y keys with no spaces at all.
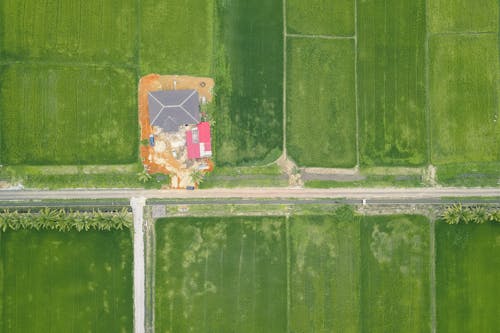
{"x":248,"y":76}
{"x":465,"y":125}
{"x":321,"y":100}
{"x":67,"y":282}
{"x":245,"y":177}
{"x":325,"y":273}
{"x":467,"y":274}
{"x":176,"y":37}
{"x":320,"y":17}
{"x":463,"y":16}
{"x":62,"y":115}
{"x":220,"y":275}
{"x":469,"y":174}
{"x":395,"y":264}
{"x":391,"y":82}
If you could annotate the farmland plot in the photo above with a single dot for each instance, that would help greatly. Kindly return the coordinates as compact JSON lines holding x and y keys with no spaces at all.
{"x":64,"y":115}
{"x":467,"y":274}
{"x":321,"y":100}
{"x":324,"y":274}
{"x":66,"y":282}
{"x":76,"y":31}
{"x":220,"y":275}
{"x":391,"y":82}
{"x":249,"y":81}
{"x":395,"y":263}
{"x":464,"y":97}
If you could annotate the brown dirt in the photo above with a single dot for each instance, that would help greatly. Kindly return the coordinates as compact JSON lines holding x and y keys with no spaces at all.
{"x":149,"y":157}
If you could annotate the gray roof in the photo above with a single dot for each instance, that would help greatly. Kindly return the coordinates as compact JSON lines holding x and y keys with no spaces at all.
{"x":172,"y":108}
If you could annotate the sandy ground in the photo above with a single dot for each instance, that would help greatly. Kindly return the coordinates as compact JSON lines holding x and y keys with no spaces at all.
{"x":137,"y":205}
{"x":169,"y":155}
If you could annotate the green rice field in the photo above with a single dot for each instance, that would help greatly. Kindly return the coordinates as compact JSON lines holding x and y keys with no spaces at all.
{"x":320,"y":79}
{"x":66,"y":282}
{"x":467,"y":275}
{"x":391,"y":82}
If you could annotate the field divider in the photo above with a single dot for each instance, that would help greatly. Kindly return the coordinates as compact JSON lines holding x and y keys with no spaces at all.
{"x":288,"y":272}
{"x":427,"y":87}
{"x":137,"y":205}
{"x":67,"y":63}
{"x":462,"y":33}
{"x":318,"y":36}
{"x":356,"y":103}
{"x":285,"y":35}
{"x":433,"y":274}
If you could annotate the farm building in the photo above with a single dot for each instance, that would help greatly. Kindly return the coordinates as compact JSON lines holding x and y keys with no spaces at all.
{"x":169,"y":109}
{"x":198,"y":141}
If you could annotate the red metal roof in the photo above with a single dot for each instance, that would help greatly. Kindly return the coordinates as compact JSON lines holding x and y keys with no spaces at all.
{"x":194,"y":148}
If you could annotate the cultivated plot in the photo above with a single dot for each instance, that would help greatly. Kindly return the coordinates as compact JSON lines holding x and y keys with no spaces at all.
{"x":320,"y":17}
{"x":391,"y":82}
{"x":66,"y":282}
{"x":321,"y":102}
{"x":220,"y":275}
{"x":67,"y":115}
{"x":395,"y":268}
{"x":324,"y":274}
{"x":464,"y":98}
{"x":463,"y":16}
{"x":73,"y":31}
{"x":176,"y":37}
{"x":249,"y":81}
{"x":467,"y":274}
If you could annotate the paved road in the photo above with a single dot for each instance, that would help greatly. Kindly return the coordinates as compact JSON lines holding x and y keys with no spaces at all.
{"x":255,"y":193}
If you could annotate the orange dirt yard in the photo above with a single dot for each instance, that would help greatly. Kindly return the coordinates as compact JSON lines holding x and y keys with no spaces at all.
{"x":169,"y":154}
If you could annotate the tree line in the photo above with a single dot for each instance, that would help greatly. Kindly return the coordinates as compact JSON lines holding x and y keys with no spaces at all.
{"x":61,"y":220}
{"x":458,"y":214}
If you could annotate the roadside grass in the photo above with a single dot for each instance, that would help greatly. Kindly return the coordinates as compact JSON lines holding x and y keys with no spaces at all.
{"x":244,"y":177}
{"x":469,"y":174}
{"x":465,"y":126}
{"x":321,"y":100}
{"x":467,"y":274}
{"x":81,"y":31}
{"x":463,"y":16}
{"x":220,"y":274}
{"x":320,"y":17}
{"x":67,"y":282}
{"x":248,"y":70}
{"x":325,"y":274}
{"x":395,"y":268}
{"x":62,"y":115}
{"x":371,"y":181}
{"x":176,"y":37}
{"x":391,"y":82}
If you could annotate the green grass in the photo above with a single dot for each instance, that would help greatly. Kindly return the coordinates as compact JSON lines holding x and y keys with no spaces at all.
{"x":220,"y":275}
{"x":69,"y":31}
{"x":469,"y":174}
{"x":370,"y":181}
{"x":320,"y":17}
{"x":395,"y":268}
{"x":391,"y":82}
{"x":66,"y":282}
{"x":465,"y":69}
{"x":248,"y":75}
{"x":176,"y":37}
{"x":245,"y":176}
{"x":63,"y":115}
{"x":324,"y":274}
{"x":467,"y":273}
{"x":321,"y":100}
{"x":463,"y":16}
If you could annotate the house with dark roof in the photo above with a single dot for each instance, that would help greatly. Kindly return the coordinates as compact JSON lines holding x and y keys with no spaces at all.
{"x":169,"y":109}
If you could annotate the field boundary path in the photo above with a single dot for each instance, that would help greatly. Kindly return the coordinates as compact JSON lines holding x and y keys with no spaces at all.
{"x":137,"y":204}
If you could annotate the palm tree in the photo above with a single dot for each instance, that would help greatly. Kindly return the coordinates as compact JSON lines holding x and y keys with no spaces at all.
{"x":197,"y":177}
{"x":494,"y":216}
{"x":479,"y":214}
{"x":144,"y":176}
{"x":453,"y":214}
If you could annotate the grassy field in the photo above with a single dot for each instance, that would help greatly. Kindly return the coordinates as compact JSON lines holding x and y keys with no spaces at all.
{"x":469,"y":174}
{"x":249,"y":81}
{"x":467,"y":273}
{"x":69,"y":31}
{"x":465,"y":126}
{"x":463,"y":16}
{"x":324,"y":274}
{"x":176,"y":37}
{"x":220,"y":275}
{"x":391,"y":81}
{"x":66,"y":108}
{"x":67,"y":282}
{"x":321,"y":100}
{"x":270,"y":175}
{"x":320,"y":17}
{"x":395,"y":266}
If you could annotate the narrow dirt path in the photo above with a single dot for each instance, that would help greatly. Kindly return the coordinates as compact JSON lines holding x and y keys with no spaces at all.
{"x":137,"y":204}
